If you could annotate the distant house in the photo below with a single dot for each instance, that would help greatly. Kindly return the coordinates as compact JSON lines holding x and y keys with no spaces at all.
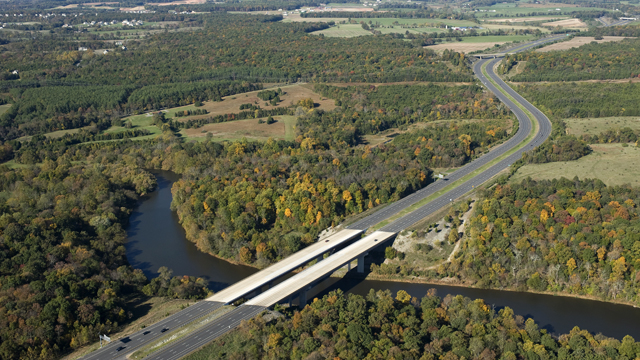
{"x":82,"y":48}
{"x":15,"y":72}
{"x":105,"y":52}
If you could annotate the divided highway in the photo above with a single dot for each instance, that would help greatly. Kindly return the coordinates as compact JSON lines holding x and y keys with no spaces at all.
{"x":118,"y":348}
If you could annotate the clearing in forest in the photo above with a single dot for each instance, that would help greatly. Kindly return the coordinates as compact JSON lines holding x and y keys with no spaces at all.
{"x":231,"y":104}
{"x":4,"y":108}
{"x":595,"y":126}
{"x":577,"y":42}
{"x":251,"y":129}
{"x":569,"y":24}
{"x":614,"y":164}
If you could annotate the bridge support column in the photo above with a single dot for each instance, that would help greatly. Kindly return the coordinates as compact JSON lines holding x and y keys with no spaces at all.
{"x":361,"y":263}
{"x":349,"y":265}
{"x":302,"y":298}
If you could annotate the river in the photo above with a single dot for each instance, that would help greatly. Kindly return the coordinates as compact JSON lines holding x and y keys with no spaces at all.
{"x":155,"y":239}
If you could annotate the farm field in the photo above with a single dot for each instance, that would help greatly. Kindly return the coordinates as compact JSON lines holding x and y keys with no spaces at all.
{"x":510,"y":9}
{"x":611,"y":163}
{"x":250,"y":129}
{"x":568,"y":23}
{"x":527,"y":19}
{"x":577,"y":42}
{"x":344,"y":30}
{"x":475,"y":43}
{"x":594,"y":126}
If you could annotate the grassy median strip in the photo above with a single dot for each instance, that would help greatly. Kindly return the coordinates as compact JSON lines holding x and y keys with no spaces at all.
{"x":180,"y":333}
{"x":534,"y":130}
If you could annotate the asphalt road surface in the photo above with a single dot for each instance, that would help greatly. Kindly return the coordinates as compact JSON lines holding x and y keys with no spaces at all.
{"x":207,"y":334}
{"x":119,"y":347}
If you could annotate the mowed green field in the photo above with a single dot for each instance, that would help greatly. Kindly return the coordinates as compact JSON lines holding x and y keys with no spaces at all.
{"x":611,"y":163}
{"x":139,"y":122}
{"x":594,"y":126}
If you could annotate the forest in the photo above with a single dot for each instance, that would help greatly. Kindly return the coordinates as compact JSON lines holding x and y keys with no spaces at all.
{"x":581,"y":100}
{"x":595,"y":61}
{"x":63,"y":268}
{"x":381,"y":326}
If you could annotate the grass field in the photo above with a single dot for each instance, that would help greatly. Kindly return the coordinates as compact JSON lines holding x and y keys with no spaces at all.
{"x":611,"y":163}
{"x":231,"y":104}
{"x":594,"y":126}
{"x":249,"y":129}
{"x":139,"y":122}
{"x":4,"y":108}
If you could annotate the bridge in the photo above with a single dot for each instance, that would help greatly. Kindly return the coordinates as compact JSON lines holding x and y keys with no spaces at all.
{"x":343,"y":247}
{"x":520,"y":48}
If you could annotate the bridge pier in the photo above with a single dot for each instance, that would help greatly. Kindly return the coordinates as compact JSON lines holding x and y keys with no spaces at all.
{"x":361,"y":263}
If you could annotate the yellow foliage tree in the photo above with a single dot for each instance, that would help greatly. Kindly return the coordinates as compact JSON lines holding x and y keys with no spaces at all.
{"x":403,"y":297}
{"x":571,"y":264}
{"x":346,"y":195}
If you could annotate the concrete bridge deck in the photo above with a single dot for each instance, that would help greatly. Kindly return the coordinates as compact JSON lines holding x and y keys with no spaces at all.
{"x":304,"y":280}
{"x":271,"y":273}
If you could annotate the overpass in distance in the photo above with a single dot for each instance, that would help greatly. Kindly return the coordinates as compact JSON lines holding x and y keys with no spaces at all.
{"x":342,"y":247}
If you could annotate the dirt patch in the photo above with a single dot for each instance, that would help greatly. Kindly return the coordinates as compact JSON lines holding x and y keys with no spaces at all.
{"x":548,"y":5}
{"x":578,"y":41}
{"x":135,"y":8}
{"x":464,"y":47}
{"x":569,"y":23}
{"x":524,"y":19}
{"x":181,"y":2}
{"x":293,"y":94}
{"x":231,"y":130}
{"x":401,"y":83}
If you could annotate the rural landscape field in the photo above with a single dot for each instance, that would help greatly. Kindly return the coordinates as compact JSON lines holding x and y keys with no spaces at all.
{"x":290,"y":179}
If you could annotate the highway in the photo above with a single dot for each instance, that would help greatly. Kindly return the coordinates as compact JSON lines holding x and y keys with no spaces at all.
{"x":119,"y":347}
{"x":230,"y":320}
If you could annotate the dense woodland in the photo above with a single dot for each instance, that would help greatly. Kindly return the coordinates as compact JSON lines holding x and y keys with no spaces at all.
{"x":63,"y":268}
{"x":379,"y":326}
{"x":582,"y":100}
{"x":610,"y":60}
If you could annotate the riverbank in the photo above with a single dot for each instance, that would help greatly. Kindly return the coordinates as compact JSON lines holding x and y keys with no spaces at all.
{"x":457,"y":283}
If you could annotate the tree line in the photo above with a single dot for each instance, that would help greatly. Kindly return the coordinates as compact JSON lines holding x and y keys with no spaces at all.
{"x":381,"y":326}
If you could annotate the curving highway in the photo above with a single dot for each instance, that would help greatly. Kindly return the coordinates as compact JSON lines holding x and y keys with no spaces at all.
{"x":118,"y":348}
{"x":521,"y":135}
